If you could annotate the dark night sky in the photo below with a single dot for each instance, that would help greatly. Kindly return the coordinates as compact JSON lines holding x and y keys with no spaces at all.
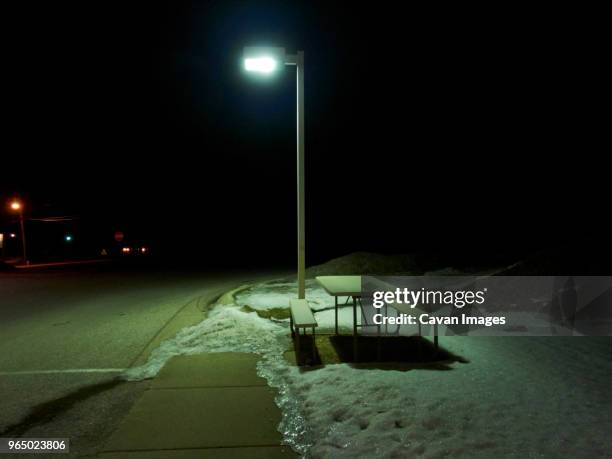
{"x":426,"y":129}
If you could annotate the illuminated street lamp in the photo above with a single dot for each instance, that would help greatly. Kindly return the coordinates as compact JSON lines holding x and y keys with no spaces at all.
{"x":18,"y":206}
{"x":265,"y":61}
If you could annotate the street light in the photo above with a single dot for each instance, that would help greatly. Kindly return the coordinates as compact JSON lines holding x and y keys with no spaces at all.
{"x":17,"y":206}
{"x":266,"y":60}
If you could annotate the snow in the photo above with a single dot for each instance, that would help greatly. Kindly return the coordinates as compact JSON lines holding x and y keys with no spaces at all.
{"x":326,"y":319}
{"x":277,"y":295}
{"x":516,"y":396}
{"x":227,"y":329}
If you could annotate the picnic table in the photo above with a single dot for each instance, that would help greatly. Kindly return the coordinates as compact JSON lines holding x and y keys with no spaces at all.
{"x":350,"y":286}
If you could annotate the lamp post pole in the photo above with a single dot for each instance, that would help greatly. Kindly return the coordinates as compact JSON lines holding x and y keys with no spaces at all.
{"x":23,"y":237}
{"x":266,"y":60}
{"x":301,"y":268}
{"x":18,"y":206}
{"x":298,"y":61}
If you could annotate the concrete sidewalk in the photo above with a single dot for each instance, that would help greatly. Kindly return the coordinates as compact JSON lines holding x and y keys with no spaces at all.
{"x":202,"y":406}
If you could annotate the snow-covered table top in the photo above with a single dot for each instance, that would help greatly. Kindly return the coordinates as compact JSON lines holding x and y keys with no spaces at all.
{"x":341,"y":285}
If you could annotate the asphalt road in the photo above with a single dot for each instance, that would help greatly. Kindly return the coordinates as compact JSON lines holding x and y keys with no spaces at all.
{"x":65,"y":334}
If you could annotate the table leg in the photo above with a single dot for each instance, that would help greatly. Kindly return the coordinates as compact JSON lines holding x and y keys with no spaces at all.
{"x":336,"y":309}
{"x":435,"y":330}
{"x":355,"y":356}
{"x":297,"y":347}
{"x":378,"y":344}
{"x":386,"y":325}
{"x":313,"y":346}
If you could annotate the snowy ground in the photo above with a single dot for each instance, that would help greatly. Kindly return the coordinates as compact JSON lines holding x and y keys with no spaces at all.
{"x":277,"y":295}
{"x":517,"y":396}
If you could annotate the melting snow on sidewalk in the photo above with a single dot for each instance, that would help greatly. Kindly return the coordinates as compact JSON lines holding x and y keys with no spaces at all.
{"x":228,"y":329}
{"x":517,"y":396}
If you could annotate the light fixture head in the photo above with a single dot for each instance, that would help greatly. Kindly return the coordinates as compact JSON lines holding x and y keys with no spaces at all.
{"x":263,"y":59}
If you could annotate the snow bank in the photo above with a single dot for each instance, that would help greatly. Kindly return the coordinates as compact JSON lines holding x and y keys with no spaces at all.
{"x":227,"y":329}
{"x":365,"y":263}
{"x":271,"y":295}
{"x":517,"y":397}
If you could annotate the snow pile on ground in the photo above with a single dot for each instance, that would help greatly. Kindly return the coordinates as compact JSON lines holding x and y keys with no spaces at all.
{"x":517,"y":397}
{"x":227,"y":329}
{"x":270,"y":295}
{"x":365,"y":263}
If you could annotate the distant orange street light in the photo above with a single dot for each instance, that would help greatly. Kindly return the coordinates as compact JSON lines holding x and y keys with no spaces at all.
{"x":16,"y":205}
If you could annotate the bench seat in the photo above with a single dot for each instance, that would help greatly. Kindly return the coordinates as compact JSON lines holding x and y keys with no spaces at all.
{"x":302,"y":317}
{"x":302,"y":314}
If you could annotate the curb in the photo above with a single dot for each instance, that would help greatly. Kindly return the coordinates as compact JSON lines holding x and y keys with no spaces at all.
{"x":230,"y":297}
{"x":191,"y":313}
